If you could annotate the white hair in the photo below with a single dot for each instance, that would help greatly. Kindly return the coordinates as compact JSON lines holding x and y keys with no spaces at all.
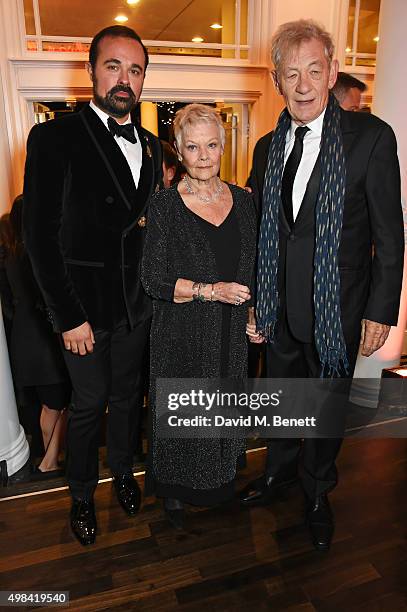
{"x":196,"y":113}
{"x":290,"y":35}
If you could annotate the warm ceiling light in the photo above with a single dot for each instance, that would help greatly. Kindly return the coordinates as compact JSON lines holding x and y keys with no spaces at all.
{"x":197,"y":39}
{"x":121,"y":18}
{"x":376,"y":39}
{"x":216,"y":26}
{"x":132,"y":2}
{"x":348,"y":49}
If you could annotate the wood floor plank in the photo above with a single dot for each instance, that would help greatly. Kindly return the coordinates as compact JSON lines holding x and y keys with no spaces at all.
{"x":226,"y":558}
{"x":341,"y":580}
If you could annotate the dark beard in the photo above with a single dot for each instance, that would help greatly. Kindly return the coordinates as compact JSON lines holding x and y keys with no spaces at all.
{"x":115,"y":105}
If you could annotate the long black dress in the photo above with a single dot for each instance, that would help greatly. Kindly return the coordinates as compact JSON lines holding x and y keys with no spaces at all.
{"x":224,"y":241}
{"x":195,"y":340}
{"x":35,"y":354}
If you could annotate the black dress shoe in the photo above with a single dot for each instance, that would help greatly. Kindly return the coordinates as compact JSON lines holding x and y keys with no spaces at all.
{"x":83,"y":521}
{"x":175,"y":511}
{"x":320,"y":521}
{"x":263,"y":490}
{"x":128,"y":493}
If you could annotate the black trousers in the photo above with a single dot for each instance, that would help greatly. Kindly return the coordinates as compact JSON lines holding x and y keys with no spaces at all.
{"x":287,"y":357}
{"x":107,"y":377}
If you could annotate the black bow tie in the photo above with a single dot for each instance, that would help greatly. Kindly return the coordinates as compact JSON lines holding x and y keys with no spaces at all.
{"x":125,"y":131}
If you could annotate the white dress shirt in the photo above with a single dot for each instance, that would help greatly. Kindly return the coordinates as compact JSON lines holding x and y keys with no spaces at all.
{"x":132,"y":152}
{"x":312,"y":143}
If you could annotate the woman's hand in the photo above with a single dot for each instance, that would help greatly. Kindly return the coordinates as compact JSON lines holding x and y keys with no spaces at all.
{"x":231,"y":293}
{"x":254,"y":336}
{"x":251,"y":331}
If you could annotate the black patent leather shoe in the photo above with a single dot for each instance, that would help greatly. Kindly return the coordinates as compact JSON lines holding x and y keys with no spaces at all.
{"x":128,"y":493}
{"x":83,"y":521}
{"x":263,"y":490}
{"x":320,"y":521}
{"x":175,"y":512}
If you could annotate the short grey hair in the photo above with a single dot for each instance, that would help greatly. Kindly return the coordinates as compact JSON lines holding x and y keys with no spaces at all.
{"x":290,"y":35}
{"x":192,"y":114}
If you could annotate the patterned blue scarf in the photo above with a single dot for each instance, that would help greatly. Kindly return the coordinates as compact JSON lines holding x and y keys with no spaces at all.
{"x":328,"y":335}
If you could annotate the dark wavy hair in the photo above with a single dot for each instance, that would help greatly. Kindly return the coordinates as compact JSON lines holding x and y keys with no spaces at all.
{"x":11,"y":229}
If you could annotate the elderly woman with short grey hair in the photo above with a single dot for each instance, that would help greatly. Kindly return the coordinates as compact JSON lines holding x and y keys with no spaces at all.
{"x":198,"y":266}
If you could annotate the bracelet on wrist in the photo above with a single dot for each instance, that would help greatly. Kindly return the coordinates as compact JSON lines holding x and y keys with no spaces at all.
{"x":201,"y":296}
{"x":197,"y":288}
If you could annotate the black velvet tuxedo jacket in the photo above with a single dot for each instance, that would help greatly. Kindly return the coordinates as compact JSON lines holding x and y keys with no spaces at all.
{"x":371,"y":250}
{"x":84,"y":220}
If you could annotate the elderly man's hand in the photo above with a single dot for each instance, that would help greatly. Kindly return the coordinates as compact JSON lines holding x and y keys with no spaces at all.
{"x":374,"y":335}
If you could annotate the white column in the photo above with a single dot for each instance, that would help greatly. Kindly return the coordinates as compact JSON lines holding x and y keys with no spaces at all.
{"x":5,"y":154}
{"x":13,"y":443}
{"x":389,"y":105}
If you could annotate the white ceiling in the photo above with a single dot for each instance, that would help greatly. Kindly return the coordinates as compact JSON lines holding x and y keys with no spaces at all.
{"x":178,"y":20}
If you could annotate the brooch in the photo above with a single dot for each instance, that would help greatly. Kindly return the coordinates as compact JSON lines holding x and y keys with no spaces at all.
{"x":142,"y":222}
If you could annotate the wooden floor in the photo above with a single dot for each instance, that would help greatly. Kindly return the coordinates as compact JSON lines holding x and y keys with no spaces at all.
{"x":227,"y":558}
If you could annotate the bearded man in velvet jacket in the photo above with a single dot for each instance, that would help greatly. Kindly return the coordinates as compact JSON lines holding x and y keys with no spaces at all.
{"x":88,"y":179}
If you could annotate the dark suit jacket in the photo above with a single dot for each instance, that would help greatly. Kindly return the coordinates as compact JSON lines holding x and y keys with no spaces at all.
{"x":84,"y":220}
{"x":370,"y":286}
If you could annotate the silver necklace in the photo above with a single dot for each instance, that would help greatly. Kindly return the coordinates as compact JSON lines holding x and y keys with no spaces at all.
{"x":203,"y":198}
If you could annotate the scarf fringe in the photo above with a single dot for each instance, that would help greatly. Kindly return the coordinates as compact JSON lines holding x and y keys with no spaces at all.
{"x":335,"y":366}
{"x":268,"y":332}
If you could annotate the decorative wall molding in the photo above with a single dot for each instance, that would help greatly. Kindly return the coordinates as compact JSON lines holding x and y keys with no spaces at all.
{"x":156,"y":63}
{"x":59,"y":79}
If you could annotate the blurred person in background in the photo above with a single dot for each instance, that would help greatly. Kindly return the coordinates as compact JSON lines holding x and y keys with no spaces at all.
{"x":5,"y":293}
{"x":170,"y":165}
{"x":35,"y":354}
{"x":348,"y":91}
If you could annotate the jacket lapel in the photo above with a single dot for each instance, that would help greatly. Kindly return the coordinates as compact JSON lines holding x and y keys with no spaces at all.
{"x":310,"y":195}
{"x":349,"y":135}
{"x":146,"y":186}
{"x":111,"y":154}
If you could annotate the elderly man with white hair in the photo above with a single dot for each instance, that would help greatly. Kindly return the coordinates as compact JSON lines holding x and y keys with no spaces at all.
{"x":327,"y":184}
